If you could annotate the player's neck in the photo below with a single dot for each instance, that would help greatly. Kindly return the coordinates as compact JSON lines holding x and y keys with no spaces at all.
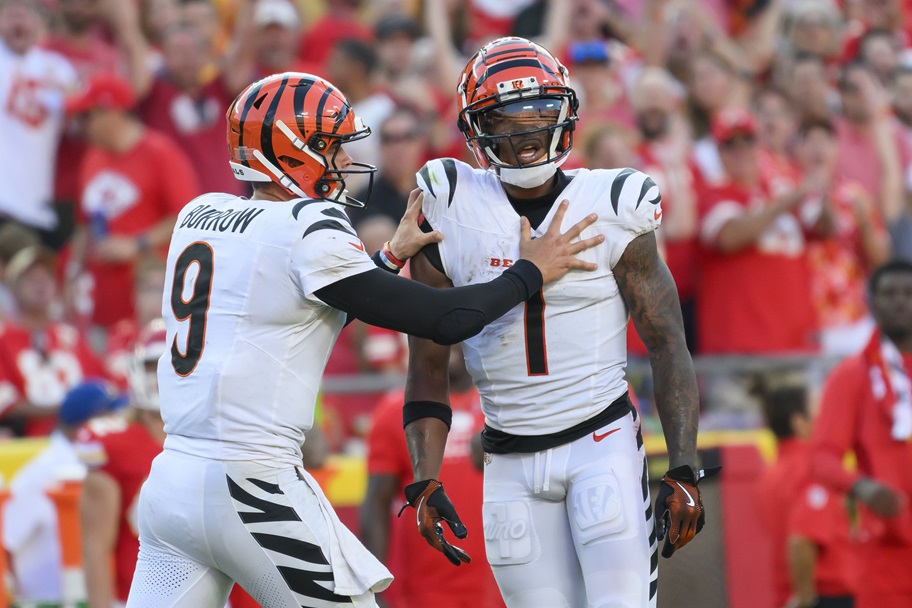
{"x":529,"y":193}
{"x":269,"y":191}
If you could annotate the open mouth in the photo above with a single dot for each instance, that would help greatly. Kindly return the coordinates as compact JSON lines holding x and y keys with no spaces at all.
{"x":528,"y":152}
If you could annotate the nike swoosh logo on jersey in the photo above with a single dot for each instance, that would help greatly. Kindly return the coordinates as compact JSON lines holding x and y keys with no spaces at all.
{"x":690,"y":499}
{"x":657,"y":214}
{"x":358,"y":246}
{"x":598,"y":437}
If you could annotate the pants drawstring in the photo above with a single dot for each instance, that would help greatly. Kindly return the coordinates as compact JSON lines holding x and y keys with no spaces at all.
{"x":545,"y":484}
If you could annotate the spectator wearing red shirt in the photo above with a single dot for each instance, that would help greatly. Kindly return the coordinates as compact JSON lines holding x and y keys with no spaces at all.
{"x":265,"y":42}
{"x":665,"y":155}
{"x":79,"y":36}
{"x":119,"y":452}
{"x":148,"y":287}
{"x":134,"y":182}
{"x":341,"y":21}
{"x":807,"y":525}
{"x":866,"y":408}
{"x":753,"y":294}
{"x":872,"y":150}
{"x":714,"y":86}
{"x":776,"y":130}
{"x":352,"y":66}
{"x":856,"y":243}
{"x":598,"y":71}
{"x":190,"y":111}
{"x":806,"y":80}
{"x":40,"y":359}
{"x":393,"y":539}
{"x":880,"y":49}
{"x":901,"y":89}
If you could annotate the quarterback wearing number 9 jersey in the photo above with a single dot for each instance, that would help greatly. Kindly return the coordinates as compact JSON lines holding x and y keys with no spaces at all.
{"x":567,"y":515}
{"x":256,"y":293}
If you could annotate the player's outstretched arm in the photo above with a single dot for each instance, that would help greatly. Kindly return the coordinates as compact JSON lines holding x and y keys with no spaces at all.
{"x":652,"y":298}
{"x":449,"y":316}
{"x":426,"y":416}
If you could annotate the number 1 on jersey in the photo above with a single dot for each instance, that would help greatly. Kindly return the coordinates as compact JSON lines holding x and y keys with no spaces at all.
{"x":195,"y":309}
{"x":534,"y":325}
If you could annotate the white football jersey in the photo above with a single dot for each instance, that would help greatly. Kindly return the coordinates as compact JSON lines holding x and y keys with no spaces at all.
{"x":249,"y":340}
{"x":558,"y":359}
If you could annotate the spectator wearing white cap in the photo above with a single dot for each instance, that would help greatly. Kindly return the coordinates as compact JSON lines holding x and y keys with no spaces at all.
{"x":265,"y":42}
{"x":29,"y":517}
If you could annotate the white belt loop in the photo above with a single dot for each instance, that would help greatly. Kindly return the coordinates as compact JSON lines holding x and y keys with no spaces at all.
{"x":536,"y":488}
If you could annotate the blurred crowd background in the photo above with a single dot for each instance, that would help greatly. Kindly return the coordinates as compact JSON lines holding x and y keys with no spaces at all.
{"x":799,"y":111}
{"x":792,"y":118}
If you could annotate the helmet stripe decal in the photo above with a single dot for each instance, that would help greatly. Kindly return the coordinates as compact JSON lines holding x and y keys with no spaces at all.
{"x":516,"y":63}
{"x":340,"y":118}
{"x":248,"y":103}
{"x":321,"y":105}
{"x":300,"y":92}
{"x":268,"y":123}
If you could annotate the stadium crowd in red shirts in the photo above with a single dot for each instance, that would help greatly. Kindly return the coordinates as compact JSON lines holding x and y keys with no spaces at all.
{"x":779,"y":132}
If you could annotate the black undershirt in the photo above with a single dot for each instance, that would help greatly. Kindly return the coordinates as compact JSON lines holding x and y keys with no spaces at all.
{"x":446,"y":316}
{"x":535,"y":209}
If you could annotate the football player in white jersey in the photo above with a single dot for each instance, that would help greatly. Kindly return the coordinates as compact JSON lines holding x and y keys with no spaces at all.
{"x":256,"y":293}
{"x":567,"y":515}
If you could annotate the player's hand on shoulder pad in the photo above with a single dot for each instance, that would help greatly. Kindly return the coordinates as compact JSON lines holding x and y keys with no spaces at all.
{"x":554,"y":253}
{"x":433,"y":506}
{"x":409,"y":238}
{"x":679,"y":507}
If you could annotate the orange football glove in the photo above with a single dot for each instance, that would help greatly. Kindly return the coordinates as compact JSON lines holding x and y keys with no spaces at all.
{"x":679,"y":508}
{"x":434,"y":506}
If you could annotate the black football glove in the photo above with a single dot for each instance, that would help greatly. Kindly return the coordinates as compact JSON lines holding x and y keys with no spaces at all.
{"x":679,"y":508}
{"x":434,"y":506}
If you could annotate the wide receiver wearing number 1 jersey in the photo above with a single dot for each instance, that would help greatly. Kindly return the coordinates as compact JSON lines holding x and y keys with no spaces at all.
{"x":256,"y":294}
{"x":567,"y":515}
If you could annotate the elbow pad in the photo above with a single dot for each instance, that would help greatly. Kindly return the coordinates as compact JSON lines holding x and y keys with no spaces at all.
{"x":458,"y":325}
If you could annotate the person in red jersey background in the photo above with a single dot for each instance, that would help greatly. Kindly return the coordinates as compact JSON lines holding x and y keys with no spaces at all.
{"x":867,"y":408}
{"x":807,"y":524}
{"x":392,"y":539}
{"x":119,"y":451}
{"x":753,"y":294}
{"x":134,"y":181}
{"x":40,"y":358}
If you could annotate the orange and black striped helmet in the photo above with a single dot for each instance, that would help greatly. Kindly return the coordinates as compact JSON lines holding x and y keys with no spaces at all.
{"x":287,"y":128}
{"x":515,"y":78}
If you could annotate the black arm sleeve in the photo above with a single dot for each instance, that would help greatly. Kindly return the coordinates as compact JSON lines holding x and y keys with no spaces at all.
{"x":446,"y":316}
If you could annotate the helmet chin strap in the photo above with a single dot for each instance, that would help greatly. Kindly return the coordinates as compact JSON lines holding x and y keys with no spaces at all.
{"x":528,"y":177}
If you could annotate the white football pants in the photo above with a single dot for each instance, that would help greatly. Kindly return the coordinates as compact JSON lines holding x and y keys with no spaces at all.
{"x":572,"y":527}
{"x":204,"y":524}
